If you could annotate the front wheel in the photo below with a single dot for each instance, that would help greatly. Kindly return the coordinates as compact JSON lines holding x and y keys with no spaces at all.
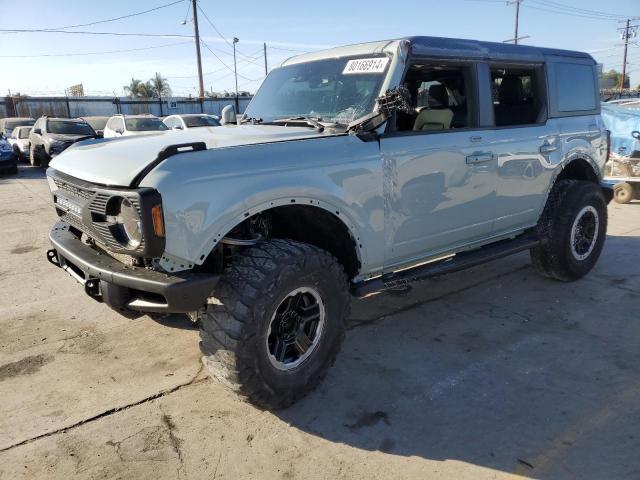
{"x":572,"y":228}
{"x":276,"y":323}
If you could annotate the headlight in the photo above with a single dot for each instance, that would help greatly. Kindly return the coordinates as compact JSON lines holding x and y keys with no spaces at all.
{"x":129,"y":219}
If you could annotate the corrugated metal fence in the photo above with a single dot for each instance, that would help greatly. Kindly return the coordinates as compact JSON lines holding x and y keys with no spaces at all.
{"x":105,"y":106}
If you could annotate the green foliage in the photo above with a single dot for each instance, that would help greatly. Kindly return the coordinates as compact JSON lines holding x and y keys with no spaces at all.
{"x":612,"y":79}
{"x":156,"y":87}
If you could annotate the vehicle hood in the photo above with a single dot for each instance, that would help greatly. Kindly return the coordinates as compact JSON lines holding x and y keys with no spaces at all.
{"x":117,"y":161}
{"x":59,"y":137}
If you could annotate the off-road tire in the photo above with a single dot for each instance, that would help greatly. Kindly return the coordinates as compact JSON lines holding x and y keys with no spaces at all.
{"x":555,"y":257}
{"x":44,"y":159}
{"x":234,"y":325}
{"x":623,"y":192}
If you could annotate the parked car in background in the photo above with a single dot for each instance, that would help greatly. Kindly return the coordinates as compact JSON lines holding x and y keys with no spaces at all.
{"x":50,"y":136}
{"x":8,"y":124}
{"x":19,"y":141}
{"x":132,"y":125}
{"x":97,"y":123}
{"x":191,"y":120}
{"x":8,"y":159}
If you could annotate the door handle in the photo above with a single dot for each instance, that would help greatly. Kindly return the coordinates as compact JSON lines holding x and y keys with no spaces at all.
{"x":547,"y":148}
{"x":479,"y":158}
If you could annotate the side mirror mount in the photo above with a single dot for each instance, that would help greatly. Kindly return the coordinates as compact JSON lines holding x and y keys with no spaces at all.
{"x":177,"y":127}
{"x":228,"y":115}
{"x":636,"y":134}
{"x":393,"y":100}
{"x":37,"y":131}
{"x":119,"y":131}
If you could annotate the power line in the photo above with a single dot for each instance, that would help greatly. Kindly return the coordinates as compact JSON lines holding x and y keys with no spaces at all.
{"x":295,"y":49}
{"x":220,"y":60}
{"x":549,"y":9}
{"x":214,"y":27}
{"x":569,"y":8}
{"x":119,"y":34}
{"x":94,"y":53}
{"x":219,"y":33}
{"x":117,"y":18}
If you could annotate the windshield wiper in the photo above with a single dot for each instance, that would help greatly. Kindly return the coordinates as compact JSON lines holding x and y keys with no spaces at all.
{"x":310,"y":121}
{"x":251,"y":120}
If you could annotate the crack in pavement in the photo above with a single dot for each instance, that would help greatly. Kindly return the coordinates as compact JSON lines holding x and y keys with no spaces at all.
{"x":176,"y":442}
{"x":193,"y":381}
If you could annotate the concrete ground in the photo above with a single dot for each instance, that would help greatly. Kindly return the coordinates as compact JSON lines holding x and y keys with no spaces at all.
{"x":489,"y":373}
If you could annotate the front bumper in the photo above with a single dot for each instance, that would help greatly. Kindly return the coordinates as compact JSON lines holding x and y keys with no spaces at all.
{"x":125,"y":287}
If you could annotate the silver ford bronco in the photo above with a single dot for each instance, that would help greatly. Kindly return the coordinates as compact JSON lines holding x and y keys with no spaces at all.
{"x":353,"y":171}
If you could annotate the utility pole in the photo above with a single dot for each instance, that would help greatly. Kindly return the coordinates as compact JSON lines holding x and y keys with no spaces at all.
{"x":266,"y":68}
{"x":194,"y":5}
{"x":628,"y":31}
{"x":235,"y":72}
{"x":516,"y":38}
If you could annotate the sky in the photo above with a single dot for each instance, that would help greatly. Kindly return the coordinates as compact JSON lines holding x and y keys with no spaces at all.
{"x":45,"y":63}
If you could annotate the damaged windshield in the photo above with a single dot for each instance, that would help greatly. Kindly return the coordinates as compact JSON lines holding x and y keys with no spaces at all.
{"x":336,"y":90}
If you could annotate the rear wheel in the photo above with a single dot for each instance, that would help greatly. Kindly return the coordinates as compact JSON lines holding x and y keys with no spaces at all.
{"x":277,"y":322}
{"x":623,"y":192}
{"x":573,"y":227}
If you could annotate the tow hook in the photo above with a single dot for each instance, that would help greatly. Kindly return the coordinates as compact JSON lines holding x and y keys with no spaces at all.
{"x":52,"y":256}
{"x":92,"y":288}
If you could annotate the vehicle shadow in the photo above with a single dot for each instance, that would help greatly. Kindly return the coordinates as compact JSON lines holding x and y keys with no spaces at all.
{"x":495,"y":367}
{"x":27,"y":172}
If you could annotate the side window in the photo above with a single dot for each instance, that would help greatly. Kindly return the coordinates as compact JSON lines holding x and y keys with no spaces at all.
{"x":118,"y":124}
{"x":110,"y":124}
{"x":171,"y":122}
{"x":517,"y":94}
{"x":440,"y":97}
{"x":575,"y":86}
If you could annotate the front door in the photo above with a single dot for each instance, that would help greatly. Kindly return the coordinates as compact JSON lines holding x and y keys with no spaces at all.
{"x":439,"y":168}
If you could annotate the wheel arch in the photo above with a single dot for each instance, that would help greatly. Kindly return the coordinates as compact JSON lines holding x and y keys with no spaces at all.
{"x":317,"y":222}
{"x":579,"y":167}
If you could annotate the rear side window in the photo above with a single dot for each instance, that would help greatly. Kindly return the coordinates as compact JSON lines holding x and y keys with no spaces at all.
{"x":517,"y":96}
{"x":576,"y":87}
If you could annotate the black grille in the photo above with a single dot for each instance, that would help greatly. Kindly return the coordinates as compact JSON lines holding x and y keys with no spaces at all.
{"x":74,"y":190}
{"x":96,"y":202}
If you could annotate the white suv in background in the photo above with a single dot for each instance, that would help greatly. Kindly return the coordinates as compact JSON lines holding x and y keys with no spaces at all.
{"x":19,"y":140}
{"x":191,"y":120}
{"x":132,"y":125}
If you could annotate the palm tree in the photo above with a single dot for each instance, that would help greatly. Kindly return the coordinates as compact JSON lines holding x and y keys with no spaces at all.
{"x":138,"y":88}
{"x":133,"y":89}
{"x":159,"y":86}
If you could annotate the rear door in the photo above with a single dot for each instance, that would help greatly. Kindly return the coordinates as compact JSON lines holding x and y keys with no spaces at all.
{"x":440,"y":175}
{"x":526,"y":144}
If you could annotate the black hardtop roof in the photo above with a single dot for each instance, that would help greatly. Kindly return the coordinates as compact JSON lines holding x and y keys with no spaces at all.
{"x":476,"y":49}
